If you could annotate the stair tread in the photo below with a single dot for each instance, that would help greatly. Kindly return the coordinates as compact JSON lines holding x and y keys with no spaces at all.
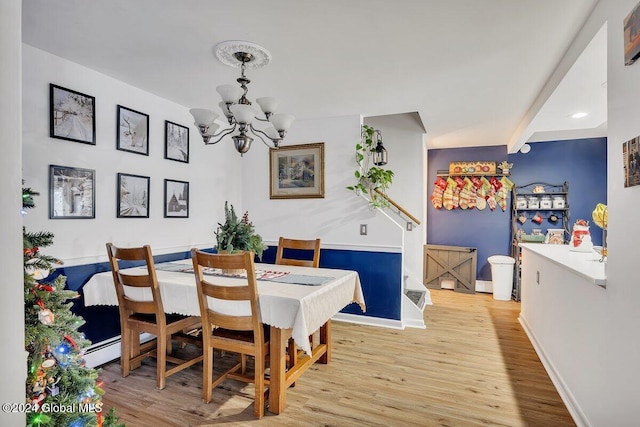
{"x":416,"y":296}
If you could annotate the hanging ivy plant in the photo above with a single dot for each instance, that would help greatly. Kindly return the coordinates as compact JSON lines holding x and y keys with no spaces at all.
{"x":370,"y":177}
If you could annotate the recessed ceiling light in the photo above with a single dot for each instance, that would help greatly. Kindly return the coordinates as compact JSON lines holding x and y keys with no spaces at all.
{"x":579,"y":115}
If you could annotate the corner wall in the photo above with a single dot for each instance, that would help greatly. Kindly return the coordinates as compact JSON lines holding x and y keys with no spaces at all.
{"x":213,"y":171}
{"x":13,"y":358}
{"x":616,"y":402}
{"x":600,"y":383}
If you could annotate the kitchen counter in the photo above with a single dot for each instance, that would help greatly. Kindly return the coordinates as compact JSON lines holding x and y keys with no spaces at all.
{"x":585,"y":264}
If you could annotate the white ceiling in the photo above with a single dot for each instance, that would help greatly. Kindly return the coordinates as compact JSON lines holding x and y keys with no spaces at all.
{"x":470,"y":68}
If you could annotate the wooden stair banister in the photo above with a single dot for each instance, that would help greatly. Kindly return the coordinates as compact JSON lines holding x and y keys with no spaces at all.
{"x":397,"y":206}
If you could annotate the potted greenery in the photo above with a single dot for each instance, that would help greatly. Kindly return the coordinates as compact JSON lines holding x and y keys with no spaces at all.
{"x":371,"y":178}
{"x":237,"y":235}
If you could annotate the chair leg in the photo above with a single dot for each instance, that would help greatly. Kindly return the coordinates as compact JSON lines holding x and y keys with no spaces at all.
{"x":161,"y":359}
{"x":243,"y":363}
{"x":207,"y":373}
{"x":259,"y":400}
{"x":169,"y":344}
{"x":134,"y":347}
{"x":125,"y":351}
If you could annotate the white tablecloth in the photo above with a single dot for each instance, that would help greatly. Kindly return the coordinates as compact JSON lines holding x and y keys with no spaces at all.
{"x":303,"y":308}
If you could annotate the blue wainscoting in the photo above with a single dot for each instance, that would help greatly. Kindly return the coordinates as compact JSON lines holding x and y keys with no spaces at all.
{"x":380,"y":276}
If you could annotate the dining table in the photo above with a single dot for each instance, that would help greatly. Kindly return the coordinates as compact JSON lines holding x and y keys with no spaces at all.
{"x":294,"y":301}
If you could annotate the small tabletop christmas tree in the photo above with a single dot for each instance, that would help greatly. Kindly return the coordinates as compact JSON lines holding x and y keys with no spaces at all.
{"x":60,"y":389}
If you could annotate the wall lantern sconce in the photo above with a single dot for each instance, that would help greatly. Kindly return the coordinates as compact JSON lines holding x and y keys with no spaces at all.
{"x":379,"y":152}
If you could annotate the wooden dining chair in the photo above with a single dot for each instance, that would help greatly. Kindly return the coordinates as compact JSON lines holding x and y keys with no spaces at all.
{"x":148,"y":315}
{"x":242,"y":333}
{"x":310,"y":248}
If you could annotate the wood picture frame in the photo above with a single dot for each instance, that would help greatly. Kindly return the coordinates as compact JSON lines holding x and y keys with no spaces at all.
{"x":133,"y":131}
{"x":176,"y":142}
{"x":176,"y":199}
{"x":72,"y":115}
{"x":71,"y":192}
{"x":631,"y":29}
{"x":133,"y":196}
{"x":297,"y":171}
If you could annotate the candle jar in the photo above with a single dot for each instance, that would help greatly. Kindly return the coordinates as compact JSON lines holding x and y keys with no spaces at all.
{"x":545,"y":202}
{"x":533,"y":202}
{"x":558,"y":202}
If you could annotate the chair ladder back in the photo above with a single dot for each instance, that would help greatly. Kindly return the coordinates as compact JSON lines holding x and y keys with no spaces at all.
{"x":149,"y":280}
{"x":296,"y":244}
{"x":246,"y":292}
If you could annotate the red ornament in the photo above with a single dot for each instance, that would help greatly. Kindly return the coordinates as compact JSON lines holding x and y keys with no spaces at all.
{"x":71,"y":341}
{"x":31,"y":251}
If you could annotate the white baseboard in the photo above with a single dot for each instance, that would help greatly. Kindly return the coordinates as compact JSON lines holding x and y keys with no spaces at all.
{"x":108,"y":350}
{"x":484,"y":286}
{"x":567,"y":397}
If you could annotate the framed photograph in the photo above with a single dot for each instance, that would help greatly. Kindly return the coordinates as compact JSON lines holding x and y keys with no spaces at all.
{"x":632,"y":36}
{"x":133,"y":131}
{"x":631,"y":162}
{"x":72,"y":115}
{"x":71,"y":192}
{"x":176,"y":199}
{"x":176,"y":142}
{"x":133,"y":196}
{"x":297,"y":171}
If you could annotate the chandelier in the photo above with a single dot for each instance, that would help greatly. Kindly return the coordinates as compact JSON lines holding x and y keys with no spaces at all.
{"x":237,"y":108}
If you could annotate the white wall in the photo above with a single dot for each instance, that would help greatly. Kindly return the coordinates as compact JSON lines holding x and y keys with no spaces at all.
{"x":603,"y":376}
{"x":13,"y":366}
{"x":617,"y":402}
{"x":213,"y":171}
{"x":336,"y":217}
{"x":403,"y":138}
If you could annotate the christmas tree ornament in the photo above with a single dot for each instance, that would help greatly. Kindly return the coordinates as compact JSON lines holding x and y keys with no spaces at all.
{"x":46,"y":317}
{"x":52,"y":386}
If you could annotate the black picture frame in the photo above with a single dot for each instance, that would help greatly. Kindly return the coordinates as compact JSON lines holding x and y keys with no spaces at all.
{"x":132,"y":131}
{"x":176,"y":142}
{"x":72,"y":115}
{"x":71,"y":192}
{"x":176,"y":199}
{"x":133,"y":196}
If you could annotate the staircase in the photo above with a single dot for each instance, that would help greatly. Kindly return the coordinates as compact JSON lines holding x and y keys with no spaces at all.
{"x":415,"y":295}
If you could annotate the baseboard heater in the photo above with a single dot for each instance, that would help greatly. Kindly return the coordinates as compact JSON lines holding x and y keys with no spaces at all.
{"x":105,"y":351}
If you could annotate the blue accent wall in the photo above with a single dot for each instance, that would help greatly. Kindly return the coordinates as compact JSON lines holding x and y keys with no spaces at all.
{"x":380,"y":276}
{"x":485,"y":230}
{"x":582,"y":163}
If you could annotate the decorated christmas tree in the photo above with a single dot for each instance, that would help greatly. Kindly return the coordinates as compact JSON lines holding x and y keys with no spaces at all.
{"x":60,"y":389}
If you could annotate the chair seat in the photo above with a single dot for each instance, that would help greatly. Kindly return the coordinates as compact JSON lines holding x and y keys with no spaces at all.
{"x":245,"y":336}
{"x":151,"y":318}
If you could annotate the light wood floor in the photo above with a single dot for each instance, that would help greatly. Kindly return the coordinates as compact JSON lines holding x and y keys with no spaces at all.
{"x":473,"y":365}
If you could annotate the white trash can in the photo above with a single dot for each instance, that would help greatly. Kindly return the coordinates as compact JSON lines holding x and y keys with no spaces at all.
{"x":502,"y":276}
